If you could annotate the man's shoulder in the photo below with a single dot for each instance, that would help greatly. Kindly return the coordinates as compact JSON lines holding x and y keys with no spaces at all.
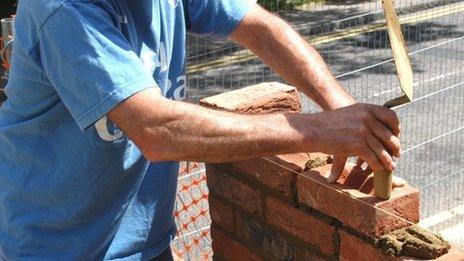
{"x":44,"y":7}
{"x":42,"y":10}
{"x":37,"y":12}
{"x":51,"y":5}
{"x":33,"y":15}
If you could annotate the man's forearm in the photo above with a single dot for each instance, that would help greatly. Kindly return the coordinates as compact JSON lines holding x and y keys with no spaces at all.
{"x":288,"y":54}
{"x":182,"y":131}
{"x":169,"y":130}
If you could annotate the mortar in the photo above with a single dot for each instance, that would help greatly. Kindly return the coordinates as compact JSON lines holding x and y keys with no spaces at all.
{"x":415,"y":242}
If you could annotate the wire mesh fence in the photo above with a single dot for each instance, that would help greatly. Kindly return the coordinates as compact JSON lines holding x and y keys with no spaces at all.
{"x":351,"y":36}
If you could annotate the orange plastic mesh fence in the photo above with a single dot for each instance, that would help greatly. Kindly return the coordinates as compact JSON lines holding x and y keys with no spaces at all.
{"x":3,"y":63}
{"x":193,"y":239}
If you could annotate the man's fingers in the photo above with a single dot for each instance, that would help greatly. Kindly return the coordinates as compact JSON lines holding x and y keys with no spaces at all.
{"x":398,"y":182}
{"x":382,"y":154}
{"x":338,"y":166}
{"x":388,"y":139}
{"x":370,"y":157}
{"x":388,"y":117}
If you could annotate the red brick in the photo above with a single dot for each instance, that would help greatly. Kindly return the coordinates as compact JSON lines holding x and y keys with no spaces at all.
{"x":221,"y":214}
{"x":362,"y":212}
{"x":271,"y":97}
{"x":307,"y":255}
{"x":300,"y":224}
{"x":233,"y":190}
{"x":355,"y":178}
{"x":270,"y":241}
{"x":277,"y":172}
{"x":271,"y":175}
{"x":353,"y":248}
{"x":228,"y":249}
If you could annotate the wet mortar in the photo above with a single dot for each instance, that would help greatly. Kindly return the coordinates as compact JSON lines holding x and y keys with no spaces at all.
{"x":316,"y":162}
{"x":415,"y":242}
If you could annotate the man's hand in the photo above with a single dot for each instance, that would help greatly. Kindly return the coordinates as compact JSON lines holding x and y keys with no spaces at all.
{"x":367,"y":131}
{"x":339,"y":166}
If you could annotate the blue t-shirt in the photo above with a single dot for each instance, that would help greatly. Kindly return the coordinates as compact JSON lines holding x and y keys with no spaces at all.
{"x":72,"y":186}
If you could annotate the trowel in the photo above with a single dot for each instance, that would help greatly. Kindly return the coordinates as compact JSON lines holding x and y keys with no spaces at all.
{"x":383,"y":179}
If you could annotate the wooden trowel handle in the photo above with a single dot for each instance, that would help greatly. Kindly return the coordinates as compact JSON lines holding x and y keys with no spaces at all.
{"x":383,"y":184}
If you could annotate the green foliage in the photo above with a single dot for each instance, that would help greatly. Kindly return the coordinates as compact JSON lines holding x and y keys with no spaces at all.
{"x":276,"y":5}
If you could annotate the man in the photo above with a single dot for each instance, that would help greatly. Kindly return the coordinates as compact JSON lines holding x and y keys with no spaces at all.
{"x":94,"y":125}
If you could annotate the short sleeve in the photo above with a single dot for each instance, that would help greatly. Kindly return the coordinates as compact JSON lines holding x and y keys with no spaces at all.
{"x":216,"y":18}
{"x":89,"y":62}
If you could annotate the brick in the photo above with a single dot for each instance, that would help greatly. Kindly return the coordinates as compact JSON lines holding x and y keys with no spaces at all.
{"x":221,"y":214}
{"x":271,"y":97}
{"x":353,"y":248}
{"x":226,"y":248}
{"x":271,"y":175}
{"x":233,"y":190}
{"x":271,"y":242}
{"x":355,"y":178}
{"x":362,"y":212}
{"x":265,"y":239}
{"x":306,"y":254}
{"x":301,"y":225}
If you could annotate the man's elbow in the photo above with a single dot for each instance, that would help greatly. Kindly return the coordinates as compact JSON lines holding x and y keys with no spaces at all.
{"x":157,"y":148}
{"x":156,"y":154}
{"x":145,"y":118}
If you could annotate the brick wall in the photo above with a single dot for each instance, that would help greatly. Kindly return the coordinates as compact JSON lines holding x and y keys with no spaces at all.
{"x":278,"y":209}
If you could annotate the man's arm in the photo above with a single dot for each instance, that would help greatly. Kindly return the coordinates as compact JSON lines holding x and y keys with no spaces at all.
{"x":170,"y":130}
{"x":288,"y":54}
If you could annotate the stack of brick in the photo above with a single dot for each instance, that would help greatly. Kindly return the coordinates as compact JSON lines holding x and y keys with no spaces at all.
{"x":281,"y":208}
